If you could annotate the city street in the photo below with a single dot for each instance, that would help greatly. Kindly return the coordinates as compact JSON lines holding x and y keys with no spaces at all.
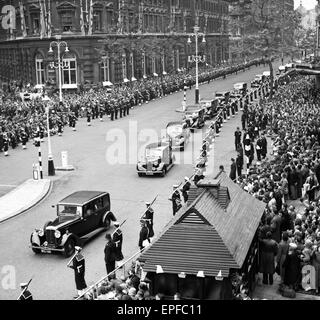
{"x":90,"y":152}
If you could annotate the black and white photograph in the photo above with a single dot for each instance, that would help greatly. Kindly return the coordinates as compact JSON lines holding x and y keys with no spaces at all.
{"x":159,"y":150}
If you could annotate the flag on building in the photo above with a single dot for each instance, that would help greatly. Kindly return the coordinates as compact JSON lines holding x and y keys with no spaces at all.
{"x":23,"y":21}
{"x":42,"y":20}
{"x":83,"y":31}
{"x":90,"y":21}
{"x":49,"y":22}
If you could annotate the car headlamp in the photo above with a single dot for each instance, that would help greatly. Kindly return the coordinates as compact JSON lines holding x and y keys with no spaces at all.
{"x":41,"y":232}
{"x":57,"y":234}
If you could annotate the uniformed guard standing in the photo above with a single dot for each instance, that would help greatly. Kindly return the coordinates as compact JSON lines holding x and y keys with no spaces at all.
{"x":148,"y":218}
{"x":88,"y":117}
{"x":112,"y":113}
{"x":128,"y":107}
{"x":117,"y":238}
{"x":5,"y":144}
{"x":60,"y":128}
{"x":25,"y":293}
{"x":24,"y":139}
{"x":121,"y":109}
{"x":110,"y":256}
{"x":41,"y":134}
{"x":143,"y":235}
{"x":116,"y":110}
{"x":77,"y":263}
{"x":176,"y":200}
{"x":101,"y":113}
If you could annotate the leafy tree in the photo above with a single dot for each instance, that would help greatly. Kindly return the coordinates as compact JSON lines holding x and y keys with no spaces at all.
{"x":269,"y":31}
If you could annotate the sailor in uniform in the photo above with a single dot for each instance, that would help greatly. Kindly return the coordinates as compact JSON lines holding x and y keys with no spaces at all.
{"x":78,"y":265}
{"x":176,"y":200}
{"x":117,"y":238}
{"x":25,"y":293}
{"x":148,"y":217}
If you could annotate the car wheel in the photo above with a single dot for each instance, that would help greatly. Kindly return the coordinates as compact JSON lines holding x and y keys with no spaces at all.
{"x":69,"y":248}
{"x":35,"y":250}
{"x":140,"y":174}
{"x":164,"y":172}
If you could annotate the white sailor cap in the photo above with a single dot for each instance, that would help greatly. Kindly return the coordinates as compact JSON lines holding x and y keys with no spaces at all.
{"x":23,"y":284}
{"x":186,"y":178}
{"x":78,"y":248}
{"x":175,"y":186}
{"x":147,"y":203}
{"x":116,"y":223}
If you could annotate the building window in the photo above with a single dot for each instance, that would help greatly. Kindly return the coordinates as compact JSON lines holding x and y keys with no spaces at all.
{"x":66,"y":20}
{"x":40,"y":74}
{"x":35,"y":23}
{"x":97,"y":21}
{"x":69,"y":75}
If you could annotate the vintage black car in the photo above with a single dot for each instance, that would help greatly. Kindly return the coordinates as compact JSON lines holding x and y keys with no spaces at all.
{"x":81,"y":215}
{"x":194,"y":117}
{"x":211,"y":107}
{"x":223,"y":96}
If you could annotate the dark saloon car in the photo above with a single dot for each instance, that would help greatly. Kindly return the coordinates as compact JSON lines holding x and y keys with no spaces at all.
{"x":80,"y":216}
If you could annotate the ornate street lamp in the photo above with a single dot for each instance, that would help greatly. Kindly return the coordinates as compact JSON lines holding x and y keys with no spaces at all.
{"x":60,"y":65}
{"x":196,"y":58}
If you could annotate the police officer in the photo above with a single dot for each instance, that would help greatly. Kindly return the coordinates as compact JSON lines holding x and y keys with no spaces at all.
{"x":78,"y":265}
{"x":176,"y":200}
{"x":117,"y":238}
{"x":25,"y":293}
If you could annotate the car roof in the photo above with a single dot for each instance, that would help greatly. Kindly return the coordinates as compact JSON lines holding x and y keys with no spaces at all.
{"x":81,"y":197}
{"x":174,"y":123}
{"x":222,"y":92}
{"x":239,"y":83}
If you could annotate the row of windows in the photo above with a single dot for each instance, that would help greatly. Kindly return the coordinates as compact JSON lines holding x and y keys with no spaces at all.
{"x":107,"y":19}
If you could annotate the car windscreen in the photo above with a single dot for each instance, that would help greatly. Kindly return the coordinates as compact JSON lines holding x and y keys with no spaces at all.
{"x":65,"y":209}
{"x":153,"y":154}
{"x":174,"y":130}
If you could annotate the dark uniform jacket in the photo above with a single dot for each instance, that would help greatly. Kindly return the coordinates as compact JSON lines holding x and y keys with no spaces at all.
{"x":117,"y":239}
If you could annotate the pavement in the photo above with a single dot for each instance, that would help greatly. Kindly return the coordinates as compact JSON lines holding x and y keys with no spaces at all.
{"x":23,"y":198}
{"x":104,"y":156}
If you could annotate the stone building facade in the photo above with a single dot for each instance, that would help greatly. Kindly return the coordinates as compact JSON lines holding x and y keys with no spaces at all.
{"x":113,"y":40}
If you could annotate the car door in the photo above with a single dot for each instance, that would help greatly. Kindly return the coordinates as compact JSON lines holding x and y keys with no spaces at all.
{"x":91,"y":216}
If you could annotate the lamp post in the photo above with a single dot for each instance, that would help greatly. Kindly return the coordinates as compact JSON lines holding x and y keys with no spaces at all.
{"x":196,"y":58}
{"x":51,"y":170}
{"x":60,"y":64}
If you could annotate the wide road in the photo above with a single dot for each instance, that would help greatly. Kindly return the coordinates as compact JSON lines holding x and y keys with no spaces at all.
{"x":104,"y":156}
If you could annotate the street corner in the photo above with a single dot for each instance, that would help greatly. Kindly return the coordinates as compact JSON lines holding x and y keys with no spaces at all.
{"x":24,"y":197}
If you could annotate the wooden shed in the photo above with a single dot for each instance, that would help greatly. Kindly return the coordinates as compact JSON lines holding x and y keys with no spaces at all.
{"x":214,"y":234}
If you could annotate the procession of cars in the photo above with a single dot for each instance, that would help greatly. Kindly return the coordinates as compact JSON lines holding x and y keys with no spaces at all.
{"x":84,"y":214}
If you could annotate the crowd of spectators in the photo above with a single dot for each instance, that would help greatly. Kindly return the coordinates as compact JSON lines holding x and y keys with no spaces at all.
{"x":288,"y":182}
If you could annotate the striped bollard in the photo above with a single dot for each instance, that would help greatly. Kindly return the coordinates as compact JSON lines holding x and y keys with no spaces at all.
{"x":38,"y":144}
